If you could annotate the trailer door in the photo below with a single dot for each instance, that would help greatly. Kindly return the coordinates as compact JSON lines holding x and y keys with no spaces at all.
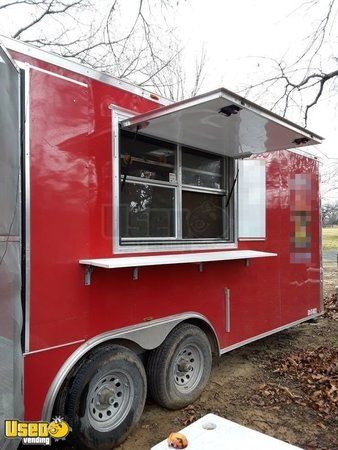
{"x":10,"y":246}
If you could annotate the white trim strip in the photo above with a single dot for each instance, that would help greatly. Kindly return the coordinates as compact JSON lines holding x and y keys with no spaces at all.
{"x":53,"y":74}
{"x":268,"y":333}
{"x":26,"y":126}
{"x":54,"y":347}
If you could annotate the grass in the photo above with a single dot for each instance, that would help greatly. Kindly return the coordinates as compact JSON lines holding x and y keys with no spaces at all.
{"x":330,"y":238}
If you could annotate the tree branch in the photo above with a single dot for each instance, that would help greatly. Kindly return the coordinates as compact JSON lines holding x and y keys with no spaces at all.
{"x":46,"y":12}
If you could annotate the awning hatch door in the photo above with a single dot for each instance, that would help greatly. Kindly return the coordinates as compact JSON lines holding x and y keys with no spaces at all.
{"x":221,"y":122}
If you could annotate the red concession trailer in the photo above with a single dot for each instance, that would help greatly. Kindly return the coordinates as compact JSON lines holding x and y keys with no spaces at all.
{"x":139,"y":237}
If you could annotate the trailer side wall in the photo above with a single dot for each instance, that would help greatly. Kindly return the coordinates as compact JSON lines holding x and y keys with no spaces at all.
{"x":71,"y":219}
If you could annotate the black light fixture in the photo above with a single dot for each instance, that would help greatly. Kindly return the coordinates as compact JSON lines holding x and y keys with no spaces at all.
{"x":229,"y":110}
{"x":301,"y":140}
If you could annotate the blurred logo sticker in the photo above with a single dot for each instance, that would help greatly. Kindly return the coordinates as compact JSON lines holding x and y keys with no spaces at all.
{"x":37,"y":433}
{"x":301,"y":194}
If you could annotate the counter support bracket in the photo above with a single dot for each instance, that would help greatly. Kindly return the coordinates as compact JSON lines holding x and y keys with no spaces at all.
{"x":134,"y":273}
{"x":88,"y":275}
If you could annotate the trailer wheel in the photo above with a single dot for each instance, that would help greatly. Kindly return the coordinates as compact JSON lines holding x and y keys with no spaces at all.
{"x":106,"y":398}
{"x":178,"y":370}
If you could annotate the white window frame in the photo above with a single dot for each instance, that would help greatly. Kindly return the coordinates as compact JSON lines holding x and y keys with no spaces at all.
{"x":256,"y":212}
{"x":144,"y":245}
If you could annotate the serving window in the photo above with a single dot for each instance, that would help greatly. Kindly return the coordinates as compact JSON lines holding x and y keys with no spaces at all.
{"x":174,"y":193}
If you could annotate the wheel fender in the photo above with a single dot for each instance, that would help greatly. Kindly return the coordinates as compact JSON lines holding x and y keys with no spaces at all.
{"x":147,"y":335}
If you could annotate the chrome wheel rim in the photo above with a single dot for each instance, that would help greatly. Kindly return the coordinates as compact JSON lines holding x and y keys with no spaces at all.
{"x":109,"y":399}
{"x":188,"y":368}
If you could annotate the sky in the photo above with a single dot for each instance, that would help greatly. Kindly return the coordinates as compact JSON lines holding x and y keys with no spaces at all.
{"x":236,"y":34}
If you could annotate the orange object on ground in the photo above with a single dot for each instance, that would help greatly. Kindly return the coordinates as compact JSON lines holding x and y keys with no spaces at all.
{"x":177,"y":440}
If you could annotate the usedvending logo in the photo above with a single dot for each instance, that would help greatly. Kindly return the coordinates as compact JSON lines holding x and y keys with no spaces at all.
{"x":37,"y":433}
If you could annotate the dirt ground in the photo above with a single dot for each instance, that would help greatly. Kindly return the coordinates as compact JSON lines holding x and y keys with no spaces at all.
{"x":245,"y":388}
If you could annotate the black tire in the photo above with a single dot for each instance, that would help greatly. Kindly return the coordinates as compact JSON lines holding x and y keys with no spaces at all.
{"x":165,"y":383}
{"x":105,"y":375}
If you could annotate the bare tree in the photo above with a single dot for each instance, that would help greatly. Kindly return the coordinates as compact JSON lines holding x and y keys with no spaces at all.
{"x":330,"y":214}
{"x":329,"y":179}
{"x":301,"y":82}
{"x":134,"y":42}
{"x":176,"y":83}
{"x":294,"y":85}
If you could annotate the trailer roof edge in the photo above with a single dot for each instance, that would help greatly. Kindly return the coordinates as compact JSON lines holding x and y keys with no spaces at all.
{"x":78,"y":68}
{"x":73,"y":66}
